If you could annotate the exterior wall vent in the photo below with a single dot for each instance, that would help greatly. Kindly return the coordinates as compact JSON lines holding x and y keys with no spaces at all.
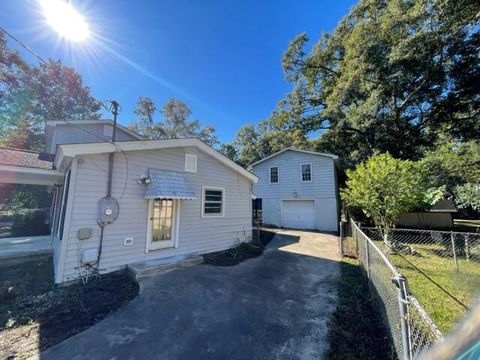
{"x":191,"y":163}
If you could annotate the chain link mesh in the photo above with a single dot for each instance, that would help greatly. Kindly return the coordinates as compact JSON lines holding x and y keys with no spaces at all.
{"x":381,"y":267}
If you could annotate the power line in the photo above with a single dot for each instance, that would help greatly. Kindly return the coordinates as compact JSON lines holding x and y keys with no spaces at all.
{"x":26,"y":47}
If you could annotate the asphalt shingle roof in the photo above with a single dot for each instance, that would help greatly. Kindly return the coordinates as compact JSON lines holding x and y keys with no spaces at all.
{"x":24,"y":158}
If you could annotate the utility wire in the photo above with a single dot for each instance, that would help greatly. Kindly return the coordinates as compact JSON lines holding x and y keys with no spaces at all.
{"x":26,"y":47}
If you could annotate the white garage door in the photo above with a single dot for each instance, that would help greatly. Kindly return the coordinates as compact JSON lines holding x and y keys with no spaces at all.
{"x":298,"y":214}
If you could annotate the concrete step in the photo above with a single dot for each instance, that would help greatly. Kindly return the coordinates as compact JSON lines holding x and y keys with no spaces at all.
{"x":144,"y":269}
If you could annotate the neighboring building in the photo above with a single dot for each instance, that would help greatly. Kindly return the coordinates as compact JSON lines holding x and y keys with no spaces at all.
{"x":439,"y":216}
{"x":297,"y":189}
{"x":169,"y":198}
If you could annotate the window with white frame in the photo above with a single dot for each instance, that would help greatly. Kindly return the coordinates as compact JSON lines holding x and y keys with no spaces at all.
{"x":306,"y":172}
{"x":213,"y":201}
{"x":274,"y":175}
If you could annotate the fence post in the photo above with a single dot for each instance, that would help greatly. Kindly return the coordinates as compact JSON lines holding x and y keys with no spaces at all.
{"x":340,"y":241}
{"x":455,"y":261}
{"x":367,"y":260}
{"x":467,"y":250}
{"x":401,"y":283}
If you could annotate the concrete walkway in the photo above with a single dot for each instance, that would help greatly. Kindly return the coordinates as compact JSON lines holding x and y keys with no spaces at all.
{"x":16,"y":247}
{"x":275,"y":306}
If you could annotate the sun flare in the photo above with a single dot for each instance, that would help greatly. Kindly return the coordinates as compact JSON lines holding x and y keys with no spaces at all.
{"x":65,"y":20}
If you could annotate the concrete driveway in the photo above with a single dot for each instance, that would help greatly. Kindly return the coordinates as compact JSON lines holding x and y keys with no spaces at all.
{"x":275,"y":306}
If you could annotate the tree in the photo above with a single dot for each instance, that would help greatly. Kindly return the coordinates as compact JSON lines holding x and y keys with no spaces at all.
{"x":393,"y":76}
{"x":176,"y":122}
{"x":145,"y":125}
{"x":229,"y":151}
{"x":385,"y":188}
{"x":59,"y":93}
{"x":453,"y":163}
{"x":468,"y":196}
{"x":31,"y":95}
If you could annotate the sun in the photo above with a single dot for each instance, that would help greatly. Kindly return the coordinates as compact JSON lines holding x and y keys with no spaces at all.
{"x":65,"y":20}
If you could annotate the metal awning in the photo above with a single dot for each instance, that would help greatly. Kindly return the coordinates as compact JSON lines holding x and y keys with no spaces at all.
{"x":166,"y":184}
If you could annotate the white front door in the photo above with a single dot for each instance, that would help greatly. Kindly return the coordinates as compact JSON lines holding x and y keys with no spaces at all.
{"x":298,"y":214}
{"x":162,"y":224}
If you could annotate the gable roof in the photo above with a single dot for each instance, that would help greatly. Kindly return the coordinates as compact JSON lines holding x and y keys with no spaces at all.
{"x":71,"y":150}
{"x":331,"y":156}
{"x":23,"y":158}
{"x":94,"y":121}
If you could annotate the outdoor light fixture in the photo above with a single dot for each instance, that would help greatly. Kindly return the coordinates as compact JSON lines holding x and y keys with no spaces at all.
{"x":65,"y":20}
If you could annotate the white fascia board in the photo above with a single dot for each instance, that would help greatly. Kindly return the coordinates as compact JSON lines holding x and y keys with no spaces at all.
{"x":29,"y":170}
{"x":331,"y":156}
{"x":72,"y":150}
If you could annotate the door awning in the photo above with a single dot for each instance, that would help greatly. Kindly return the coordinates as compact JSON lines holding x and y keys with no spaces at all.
{"x":166,"y":184}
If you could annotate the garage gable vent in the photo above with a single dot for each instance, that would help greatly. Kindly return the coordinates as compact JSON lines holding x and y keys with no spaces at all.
{"x":191,"y":163}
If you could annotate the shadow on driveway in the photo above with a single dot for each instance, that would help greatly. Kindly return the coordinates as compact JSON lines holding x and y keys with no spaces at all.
{"x":275,"y":306}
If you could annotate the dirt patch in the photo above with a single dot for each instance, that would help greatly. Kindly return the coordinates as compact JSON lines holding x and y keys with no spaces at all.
{"x":356,"y":328}
{"x":35,"y":314}
{"x":241,"y":252}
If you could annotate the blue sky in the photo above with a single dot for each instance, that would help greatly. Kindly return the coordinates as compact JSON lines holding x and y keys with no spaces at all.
{"x":223,"y":58}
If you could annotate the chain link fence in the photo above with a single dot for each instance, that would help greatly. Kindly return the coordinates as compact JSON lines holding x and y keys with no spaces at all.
{"x":410,"y":328}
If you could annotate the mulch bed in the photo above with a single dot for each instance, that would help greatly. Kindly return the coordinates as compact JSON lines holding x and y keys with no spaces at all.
{"x":241,"y":252}
{"x":35,"y":314}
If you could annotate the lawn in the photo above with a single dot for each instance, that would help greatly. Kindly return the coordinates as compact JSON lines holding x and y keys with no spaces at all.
{"x":35,"y":314}
{"x":463,"y":284}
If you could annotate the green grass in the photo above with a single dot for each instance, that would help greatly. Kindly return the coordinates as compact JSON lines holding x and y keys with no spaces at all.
{"x":463,"y":284}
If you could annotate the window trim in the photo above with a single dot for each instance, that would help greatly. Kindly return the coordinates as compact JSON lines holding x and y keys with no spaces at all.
{"x":204,"y":189}
{"x":301,"y":173}
{"x":187,"y":155}
{"x":63,"y":208}
{"x":270,"y":174}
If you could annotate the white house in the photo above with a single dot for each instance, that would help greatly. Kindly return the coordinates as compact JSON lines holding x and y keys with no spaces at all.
{"x":298,"y":189}
{"x":167,"y":198}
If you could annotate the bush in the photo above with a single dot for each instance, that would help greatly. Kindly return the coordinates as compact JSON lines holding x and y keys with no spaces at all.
{"x":30,"y":223}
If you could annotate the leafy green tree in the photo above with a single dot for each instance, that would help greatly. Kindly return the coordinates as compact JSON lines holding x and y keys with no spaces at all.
{"x":31,"y":95}
{"x":385,"y":188}
{"x":229,"y":151}
{"x":58,"y":92}
{"x":453,"y":163}
{"x":468,"y":196}
{"x":176,"y":122}
{"x":393,"y":76}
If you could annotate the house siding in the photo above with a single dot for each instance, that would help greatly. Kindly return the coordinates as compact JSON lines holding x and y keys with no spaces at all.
{"x":81,"y":133}
{"x":322,"y":189}
{"x":196,"y":235}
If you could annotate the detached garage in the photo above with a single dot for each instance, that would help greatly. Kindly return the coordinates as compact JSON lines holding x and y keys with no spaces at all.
{"x":297,"y":189}
{"x":298,"y":214}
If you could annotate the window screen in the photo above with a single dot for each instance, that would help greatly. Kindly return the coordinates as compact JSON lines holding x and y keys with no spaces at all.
{"x":212,"y":202}
{"x":306,"y":172}
{"x":274,"y":174}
